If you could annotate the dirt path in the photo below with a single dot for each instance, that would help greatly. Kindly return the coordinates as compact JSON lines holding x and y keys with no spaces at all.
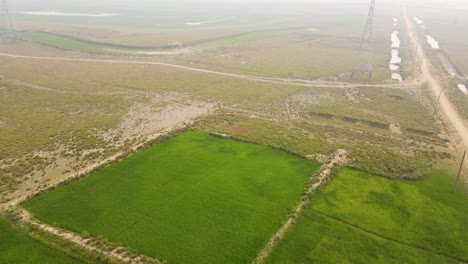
{"x":340,"y":157}
{"x":295,"y":82}
{"x":446,"y":109}
{"x":49,"y":89}
{"x":113,"y":252}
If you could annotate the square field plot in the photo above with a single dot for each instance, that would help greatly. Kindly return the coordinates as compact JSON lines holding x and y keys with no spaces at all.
{"x":361,"y":218}
{"x":194,"y":198}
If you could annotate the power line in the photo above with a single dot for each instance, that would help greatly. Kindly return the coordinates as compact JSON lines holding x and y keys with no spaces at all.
{"x":7,"y":30}
{"x":364,"y":58}
{"x":459,"y":172}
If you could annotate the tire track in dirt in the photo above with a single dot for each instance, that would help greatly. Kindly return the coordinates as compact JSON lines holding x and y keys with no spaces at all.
{"x":446,"y":109}
{"x":284,"y":81}
{"x":114,"y":252}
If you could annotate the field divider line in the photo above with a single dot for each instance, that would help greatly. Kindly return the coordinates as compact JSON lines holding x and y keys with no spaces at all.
{"x":316,"y":181}
{"x":109,"y":249}
{"x":369,"y":232}
{"x":275,"y":80}
{"x":55,"y":90}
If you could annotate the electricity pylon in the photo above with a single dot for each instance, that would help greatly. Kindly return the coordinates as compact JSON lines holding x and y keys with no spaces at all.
{"x":7,"y":30}
{"x":363,"y":64}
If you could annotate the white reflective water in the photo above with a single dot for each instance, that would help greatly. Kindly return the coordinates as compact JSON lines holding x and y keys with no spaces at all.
{"x":397,"y":76}
{"x":207,"y":22}
{"x":395,"y":40}
{"x":396,"y":59}
{"x":463,"y":88}
{"x":432,"y":42}
{"x":394,"y":67}
{"x":54,"y":13}
{"x":418,"y":21}
{"x":154,"y":52}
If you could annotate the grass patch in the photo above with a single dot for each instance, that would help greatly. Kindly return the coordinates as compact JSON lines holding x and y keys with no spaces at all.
{"x":194,"y":198}
{"x":40,"y":119}
{"x":370,"y":152}
{"x":62,"y":42}
{"x":91,"y":77}
{"x":65,"y":42}
{"x":17,"y":247}
{"x":35,"y":120}
{"x":406,"y":107}
{"x":274,"y":57}
{"x":360,"y":218}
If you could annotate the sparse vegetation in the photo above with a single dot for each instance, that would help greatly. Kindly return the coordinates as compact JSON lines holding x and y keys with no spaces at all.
{"x":95,"y":109}
{"x":40,"y":122}
{"x":382,"y":155}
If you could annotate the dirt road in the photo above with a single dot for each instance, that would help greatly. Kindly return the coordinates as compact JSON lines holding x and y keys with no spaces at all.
{"x":446,"y":109}
{"x":295,"y":82}
{"x":112,"y":251}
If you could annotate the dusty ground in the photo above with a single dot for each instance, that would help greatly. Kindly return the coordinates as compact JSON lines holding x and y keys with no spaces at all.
{"x":289,"y":81}
{"x":456,"y":124}
{"x":160,"y":111}
{"x":113,"y":252}
{"x":144,"y":122}
{"x":163,"y":112}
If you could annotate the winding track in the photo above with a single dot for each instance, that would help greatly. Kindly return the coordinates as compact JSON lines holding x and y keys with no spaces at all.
{"x":445,"y":106}
{"x":448,"y":110}
{"x":295,"y":82}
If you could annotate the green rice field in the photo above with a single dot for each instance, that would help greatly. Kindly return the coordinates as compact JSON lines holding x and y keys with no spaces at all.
{"x":360,"y":218}
{"x":194,"y":198}
{"x":17,"y":247}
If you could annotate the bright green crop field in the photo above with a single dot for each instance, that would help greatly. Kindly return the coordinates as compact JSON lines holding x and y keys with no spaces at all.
{"x":360,"y":218}
{"x":194,"y":198}
{"x":16,"y":247}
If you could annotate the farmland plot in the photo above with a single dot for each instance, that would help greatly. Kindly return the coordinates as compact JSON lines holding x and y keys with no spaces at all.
{"x":360,"y":218}
{"x":194,"y":198}
{"x":17,"y":247}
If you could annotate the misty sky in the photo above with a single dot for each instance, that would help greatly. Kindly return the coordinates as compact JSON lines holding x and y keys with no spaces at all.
{"x":50,"y":4}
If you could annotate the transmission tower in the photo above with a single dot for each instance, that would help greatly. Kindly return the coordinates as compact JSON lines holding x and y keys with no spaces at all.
{"x":7,"y":30}
{"x":363,"y":65}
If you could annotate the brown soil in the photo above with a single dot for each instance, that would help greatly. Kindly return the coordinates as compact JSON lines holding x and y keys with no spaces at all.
{"x":114,"y":252}
{"x":239,"y":130}
{"x":288,"y":81}
{"x":153,"y":123}
{"x":456,"y":124}
{"x":395,"y":128}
